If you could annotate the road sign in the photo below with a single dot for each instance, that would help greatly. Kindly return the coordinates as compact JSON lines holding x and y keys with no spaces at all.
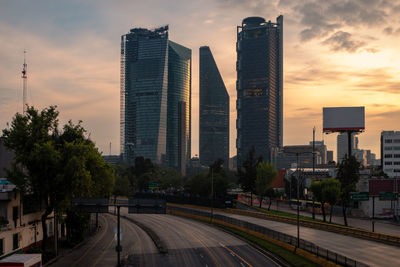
{"x":154,"y":185}
{"x":91,"y":205}
{"x":142,"y":205}
{"x":359,"y":196}
{"x":387,"y":196}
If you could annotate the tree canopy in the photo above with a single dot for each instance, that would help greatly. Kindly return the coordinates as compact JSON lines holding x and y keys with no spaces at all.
{"x":266,"y":174}
{"x":55,"y":165}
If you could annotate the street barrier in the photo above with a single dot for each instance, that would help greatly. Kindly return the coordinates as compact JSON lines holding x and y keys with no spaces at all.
{"x":284,"y":240}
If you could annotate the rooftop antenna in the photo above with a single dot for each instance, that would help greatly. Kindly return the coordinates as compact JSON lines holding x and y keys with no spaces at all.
{"x":25,"y":81}
{"x":110,"y":148}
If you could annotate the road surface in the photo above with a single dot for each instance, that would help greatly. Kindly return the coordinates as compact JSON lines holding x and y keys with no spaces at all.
{"x":189,"y":243}
{"x":368,"y":252}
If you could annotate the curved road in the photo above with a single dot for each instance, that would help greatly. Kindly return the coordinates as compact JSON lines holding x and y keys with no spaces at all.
{"x":100,"y":249}
{"x":189,"y":243}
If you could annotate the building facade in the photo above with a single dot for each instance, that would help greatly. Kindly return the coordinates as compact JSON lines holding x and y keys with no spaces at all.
{"x":179,"y":106}
{"x":214,"y":112}
{"x":155,"y":98}
{"x":342,"y":147}
{"x":390,"y":153}
{"x":259,"y":87}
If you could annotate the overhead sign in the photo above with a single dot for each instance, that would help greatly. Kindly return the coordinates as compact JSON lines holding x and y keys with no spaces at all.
{"x":388,"y":196}
{"x":91,"y":205}
{"x":339,"y":119}
{"x":359,"y":196}
{"x":153,"y":185}
{"x":149,"y":206}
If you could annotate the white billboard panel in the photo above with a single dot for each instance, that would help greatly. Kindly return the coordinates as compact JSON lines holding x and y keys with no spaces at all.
{"x":343,"y":119}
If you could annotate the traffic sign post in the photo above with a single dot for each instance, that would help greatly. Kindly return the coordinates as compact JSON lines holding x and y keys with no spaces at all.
{"x":359,"y":196}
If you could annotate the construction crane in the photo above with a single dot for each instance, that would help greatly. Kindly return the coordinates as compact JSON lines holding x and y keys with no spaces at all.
{"x":25,"y":84}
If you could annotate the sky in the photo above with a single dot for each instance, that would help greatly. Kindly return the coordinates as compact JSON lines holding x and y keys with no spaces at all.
{"x":336,"y":53}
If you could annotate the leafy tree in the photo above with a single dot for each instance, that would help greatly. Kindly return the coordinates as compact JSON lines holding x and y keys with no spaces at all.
{"x":122,"y":186}
{"x":169,"y":178}
{"x":316,"y":189}
{"x":55,"y":165}
{"x":331,"y":193}
{"x":248,"y":173}
{"x":266,"y":174}
{"x":348,"y":176}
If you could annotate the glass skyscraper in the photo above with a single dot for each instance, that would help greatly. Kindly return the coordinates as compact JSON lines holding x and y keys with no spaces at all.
{"x":259,"y":87}
{"x":155,"y":97}
{"x":214,"y":112}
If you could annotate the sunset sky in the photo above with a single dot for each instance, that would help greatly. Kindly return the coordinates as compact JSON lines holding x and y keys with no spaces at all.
{"x":336,"y":53}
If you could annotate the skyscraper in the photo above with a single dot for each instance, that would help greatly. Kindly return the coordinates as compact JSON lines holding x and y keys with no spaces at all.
{"x":155,"y":98}
{"x":179,"y":106}
{"x":214,"y":112}
{"x":259,"y":87}
{"x":342,"y":146}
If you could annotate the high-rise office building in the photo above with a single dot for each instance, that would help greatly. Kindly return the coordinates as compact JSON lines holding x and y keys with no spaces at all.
{"x":155,"y":98}
{"x":179,"y":106}
{"x":342,"y":147}
{"x":214,"y":112}
{"x":390,"y":153}
{"x":259,"y":87}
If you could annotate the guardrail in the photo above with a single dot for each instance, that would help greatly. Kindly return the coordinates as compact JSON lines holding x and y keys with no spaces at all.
{"x":356,"y":232}
{"x":307,"y":246}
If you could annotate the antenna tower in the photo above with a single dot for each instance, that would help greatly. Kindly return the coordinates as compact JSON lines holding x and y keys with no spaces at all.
{"x":25,"y":80}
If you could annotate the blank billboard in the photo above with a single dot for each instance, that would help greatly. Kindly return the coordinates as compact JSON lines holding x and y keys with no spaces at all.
{"x":343,"y":119}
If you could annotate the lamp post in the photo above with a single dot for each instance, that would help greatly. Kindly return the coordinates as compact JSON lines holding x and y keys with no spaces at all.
{"x":298,"y":191}
{"x":212,"y":194}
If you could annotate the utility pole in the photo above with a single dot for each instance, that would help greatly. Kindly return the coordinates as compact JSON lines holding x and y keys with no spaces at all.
{"x":313,"y":169}
{"x":212,"y":194}
{"x":25,"y":82}
{"x":298,"y":201}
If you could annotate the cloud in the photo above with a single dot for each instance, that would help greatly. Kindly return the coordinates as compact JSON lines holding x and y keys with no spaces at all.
{"x":342,"y":41}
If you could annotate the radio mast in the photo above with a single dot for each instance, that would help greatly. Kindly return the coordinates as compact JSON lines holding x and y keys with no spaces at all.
{"x":25,"y":80}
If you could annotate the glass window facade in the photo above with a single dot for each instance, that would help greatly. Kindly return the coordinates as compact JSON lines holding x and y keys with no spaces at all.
{"x":259,"y":87}
{"x":155,"y":98}
{"x":214,"y":112}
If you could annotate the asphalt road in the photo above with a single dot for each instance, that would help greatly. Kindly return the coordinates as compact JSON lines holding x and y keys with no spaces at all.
{"x":191,"y":243}
{"x":100,"y":249}
{"x":368,"y":252}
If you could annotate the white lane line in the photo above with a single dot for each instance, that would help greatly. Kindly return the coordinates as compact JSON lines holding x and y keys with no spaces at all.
{"x":232,"y":252}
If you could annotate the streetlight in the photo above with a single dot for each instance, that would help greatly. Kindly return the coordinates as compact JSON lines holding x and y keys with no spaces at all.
{"x":298,"y":190}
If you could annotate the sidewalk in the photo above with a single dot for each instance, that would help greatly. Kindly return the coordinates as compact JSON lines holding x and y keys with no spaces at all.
{"x":381,"y":226}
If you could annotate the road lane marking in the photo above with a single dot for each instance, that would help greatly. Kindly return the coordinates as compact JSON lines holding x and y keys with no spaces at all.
{"x":232,"y":252}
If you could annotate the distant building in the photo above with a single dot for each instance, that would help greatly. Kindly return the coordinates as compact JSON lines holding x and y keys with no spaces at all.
{"x":329,"y":156}
{"x":342,"y":147}
{"x":321,"y":148}
{"x":155,"y":98}
{"x":286,"y":158}
{"x":390,"y":153}
{"x":233,"y":163}
{"x":214,"y":112}
{"x":112,"y":159}
{"x":259,"y":87}
{"x":6,"y":158}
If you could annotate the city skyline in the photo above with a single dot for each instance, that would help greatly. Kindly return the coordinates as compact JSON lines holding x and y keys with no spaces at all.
{"x":331,"y":59}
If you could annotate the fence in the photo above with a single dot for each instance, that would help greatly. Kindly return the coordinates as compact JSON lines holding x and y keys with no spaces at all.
{"x":288,"y":239}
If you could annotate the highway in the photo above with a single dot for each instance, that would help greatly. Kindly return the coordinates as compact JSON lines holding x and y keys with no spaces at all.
{"x":189,"y":243}
{"x":100,"y":249}
{"x":368,"y":252}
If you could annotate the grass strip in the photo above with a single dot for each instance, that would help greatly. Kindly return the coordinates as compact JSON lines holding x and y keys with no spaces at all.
{"x":288,"y":256}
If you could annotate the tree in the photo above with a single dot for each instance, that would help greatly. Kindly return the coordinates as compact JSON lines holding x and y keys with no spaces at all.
{"x":55,"y":165}
{"x":266,"y":174}
{"x":348,"y":176}
{"x":331,"y":193}
{"x":248,"y":173}
{"x":316,"y":189}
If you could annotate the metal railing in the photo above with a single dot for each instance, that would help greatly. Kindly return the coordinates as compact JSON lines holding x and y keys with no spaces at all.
{"x":288,"y":239}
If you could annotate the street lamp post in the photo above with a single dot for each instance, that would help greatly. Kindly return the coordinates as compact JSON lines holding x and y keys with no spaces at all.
{"x":212,"y":194}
